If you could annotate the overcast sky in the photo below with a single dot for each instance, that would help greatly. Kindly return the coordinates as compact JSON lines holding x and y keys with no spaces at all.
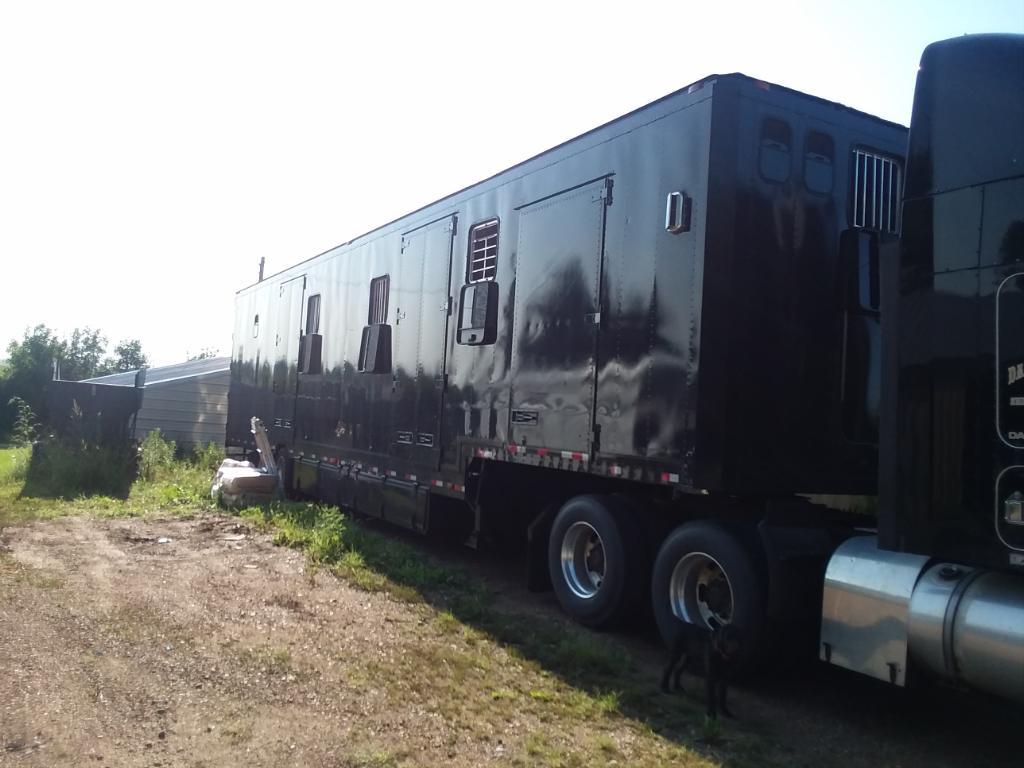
{"x":152,"y":153}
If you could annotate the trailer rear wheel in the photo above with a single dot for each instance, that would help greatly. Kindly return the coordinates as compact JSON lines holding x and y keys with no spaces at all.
{"x":596,"y":560}
{"x":703,"y":575}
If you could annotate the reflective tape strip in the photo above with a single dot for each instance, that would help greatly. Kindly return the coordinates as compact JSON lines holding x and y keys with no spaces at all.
{"x":669,"y":477}
{"x":392,"y":473}
{"x":484,"y":454}
{"x":574,"y":455}
{"x":616,"y":471}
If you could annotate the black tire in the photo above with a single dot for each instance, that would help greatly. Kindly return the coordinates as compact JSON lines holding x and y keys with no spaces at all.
{"x":717,"y":583}
{"x":622,"y":562}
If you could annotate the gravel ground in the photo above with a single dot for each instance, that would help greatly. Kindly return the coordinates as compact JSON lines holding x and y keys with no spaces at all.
{"x":196,"y":642}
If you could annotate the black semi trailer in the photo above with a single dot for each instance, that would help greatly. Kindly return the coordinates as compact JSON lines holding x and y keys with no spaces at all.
{"x":635,"y":355}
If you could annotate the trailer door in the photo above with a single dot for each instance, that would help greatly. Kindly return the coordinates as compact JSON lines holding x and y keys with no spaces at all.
{"x":421,"y":340}
{"x":285,"y":377}
{"x":557,"y":315}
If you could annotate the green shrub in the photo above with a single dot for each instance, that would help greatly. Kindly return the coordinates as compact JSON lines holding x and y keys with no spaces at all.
{"x":14,"y":464}
{"x":207,"y":457}
{"x":66,"y":469}
{"x":26,"y":426}
{"x":156,"y":456}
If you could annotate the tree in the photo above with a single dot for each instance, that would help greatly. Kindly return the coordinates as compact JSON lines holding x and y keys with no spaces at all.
{"x":203,"y":354}
{"x":127,"y":357}
{"x":29,"y":367}
{"x":82,"y":354}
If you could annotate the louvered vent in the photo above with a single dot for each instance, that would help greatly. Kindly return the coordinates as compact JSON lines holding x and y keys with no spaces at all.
{"x":378,"y":313}
{"x":483,"y":252}
{"x":877,"y":192}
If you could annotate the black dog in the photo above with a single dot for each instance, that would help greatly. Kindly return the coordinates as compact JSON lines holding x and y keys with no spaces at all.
{"x":718,"y":649}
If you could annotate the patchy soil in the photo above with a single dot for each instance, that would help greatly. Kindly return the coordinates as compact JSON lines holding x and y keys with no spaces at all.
{"x":197,"y":642}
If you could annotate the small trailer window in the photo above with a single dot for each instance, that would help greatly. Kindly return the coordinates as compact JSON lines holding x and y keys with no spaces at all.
{"x":313,"y":314}
{"x":877,"y":190}
{"x":483,"y":252}
{"x":379,"y":288}
{"x":773,"y":159}
{"x":375,"y":344}
{"x":819,"y":160}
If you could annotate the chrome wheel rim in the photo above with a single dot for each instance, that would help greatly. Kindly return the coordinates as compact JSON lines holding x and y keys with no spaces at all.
{"x":700,"y":592}
{"x":583,"y":560}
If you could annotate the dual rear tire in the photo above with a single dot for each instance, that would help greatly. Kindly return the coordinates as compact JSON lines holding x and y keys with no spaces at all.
{"x":601,"y":572}
{"x":597,"y":560}
{"x":704,"y":575}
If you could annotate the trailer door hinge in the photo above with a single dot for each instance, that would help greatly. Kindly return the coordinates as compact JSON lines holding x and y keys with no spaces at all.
{"x":605,"y":193}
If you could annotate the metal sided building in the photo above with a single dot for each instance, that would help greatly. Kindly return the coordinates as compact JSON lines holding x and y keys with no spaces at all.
{"x":187,"y":402}
{"x":678,"y":300}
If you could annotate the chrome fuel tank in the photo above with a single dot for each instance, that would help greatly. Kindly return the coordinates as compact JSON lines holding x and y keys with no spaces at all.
{"x":883,"y":611}
{"x":968,"y":625}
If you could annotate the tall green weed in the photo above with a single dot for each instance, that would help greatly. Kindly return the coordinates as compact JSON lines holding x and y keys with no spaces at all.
{"x":65,"y":470}
{"x":156,"y":456}
{"x":26,"y":425}
{"x":207,"y":456}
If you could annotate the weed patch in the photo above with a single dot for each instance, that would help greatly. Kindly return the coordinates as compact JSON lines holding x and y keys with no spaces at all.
{"x":60,"y":469}
{"x":181,"y":489}
{"x":13,"y":572}
{"x":156,"y":456}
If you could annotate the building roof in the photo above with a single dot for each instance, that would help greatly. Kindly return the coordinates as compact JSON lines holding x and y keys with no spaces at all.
{"x":166,"y":373}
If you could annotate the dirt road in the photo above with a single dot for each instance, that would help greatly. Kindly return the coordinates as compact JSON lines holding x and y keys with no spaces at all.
{"x":197,"y":642}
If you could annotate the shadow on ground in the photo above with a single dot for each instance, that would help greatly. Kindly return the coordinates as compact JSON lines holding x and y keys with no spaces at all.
{"x":787,"y":717}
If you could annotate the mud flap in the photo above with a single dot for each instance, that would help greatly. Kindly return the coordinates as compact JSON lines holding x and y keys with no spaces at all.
{"x":538,"y":577}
